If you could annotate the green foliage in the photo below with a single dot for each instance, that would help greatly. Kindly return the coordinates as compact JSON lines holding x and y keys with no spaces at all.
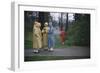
{"x":79,"y":32}
{"x":28,"y":44}
{"x":58,"y":43}
{"x":70,"y":41}
{"x":28,"y":40}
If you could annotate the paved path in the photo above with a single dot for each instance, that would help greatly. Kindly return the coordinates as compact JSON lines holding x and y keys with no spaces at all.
{"x":73,"y":51}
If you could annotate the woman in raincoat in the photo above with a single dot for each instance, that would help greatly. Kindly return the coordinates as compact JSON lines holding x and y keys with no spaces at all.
{"x":45,"y":36}
{"x":37,"y":37}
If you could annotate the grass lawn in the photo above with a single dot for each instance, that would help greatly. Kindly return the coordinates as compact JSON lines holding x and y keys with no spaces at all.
{"x":42,"y":58}
{"x":46,"y":58}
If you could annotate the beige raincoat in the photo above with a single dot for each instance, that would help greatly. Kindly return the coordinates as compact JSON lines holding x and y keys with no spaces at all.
{"x":37,"y":36}
{"x":45,"y":35}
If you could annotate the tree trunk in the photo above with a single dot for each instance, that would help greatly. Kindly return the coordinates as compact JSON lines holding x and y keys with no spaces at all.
{"x":66,"y":22}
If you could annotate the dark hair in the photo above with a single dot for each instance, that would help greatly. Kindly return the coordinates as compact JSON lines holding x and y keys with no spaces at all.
{"x":37,"y":19}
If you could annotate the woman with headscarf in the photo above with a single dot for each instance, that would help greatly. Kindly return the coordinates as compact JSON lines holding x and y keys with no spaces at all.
{"x":45,"y":36}
{"x":37,"y":37}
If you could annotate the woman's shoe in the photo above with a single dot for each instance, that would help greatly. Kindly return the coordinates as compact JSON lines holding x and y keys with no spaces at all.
{"x":36,"y":51}
{"x":51,"y":49}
